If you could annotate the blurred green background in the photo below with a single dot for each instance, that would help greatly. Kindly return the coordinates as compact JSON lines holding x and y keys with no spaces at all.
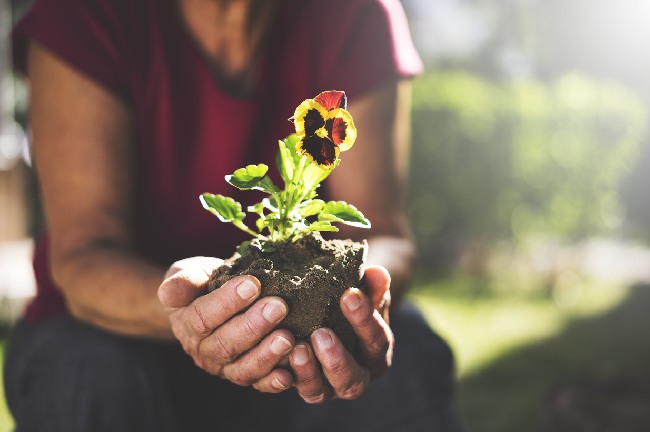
{"x":528,"y":202}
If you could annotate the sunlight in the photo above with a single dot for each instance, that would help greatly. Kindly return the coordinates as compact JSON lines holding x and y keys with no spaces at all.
{"x":481,"y":332}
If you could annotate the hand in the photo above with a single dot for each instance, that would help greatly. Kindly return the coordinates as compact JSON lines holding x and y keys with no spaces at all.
{"x":326,"y":369}
{"x":227,"y":332}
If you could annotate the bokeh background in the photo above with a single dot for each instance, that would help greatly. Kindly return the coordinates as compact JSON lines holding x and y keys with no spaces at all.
{"x":529,"y":202}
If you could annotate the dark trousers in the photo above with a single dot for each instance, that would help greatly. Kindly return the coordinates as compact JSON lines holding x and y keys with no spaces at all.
{"x":63,"y":375}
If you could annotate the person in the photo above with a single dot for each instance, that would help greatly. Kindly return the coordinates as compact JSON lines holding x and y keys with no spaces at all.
{"x":137,"y":107}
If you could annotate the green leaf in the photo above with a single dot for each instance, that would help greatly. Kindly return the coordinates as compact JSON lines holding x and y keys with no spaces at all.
{"x":284,"y":162}
{"x":314,"y":174}
{"x":261,"y":223}
{"x":310,"y":208}
{"x":225,"y":208}
{"x":252,"y":177}
{"x":287,"y":159}
{"x":329,"y":218}
{"x":243,"y":248}
{"x":347,"y":213}
{"x":291,"y":142}
{"x":311,"y":194}
{"x":267,"y":247}
{"x":323,"y":226}
{"x":256,"y":208}
{"x":266,"y":185}
{"x":262,"y":245}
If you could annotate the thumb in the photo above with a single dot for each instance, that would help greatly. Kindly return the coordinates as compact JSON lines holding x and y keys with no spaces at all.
{"x":376,"y":285}
{"x":186,"y":280}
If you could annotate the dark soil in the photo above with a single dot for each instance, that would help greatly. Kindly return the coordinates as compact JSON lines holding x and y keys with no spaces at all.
{"x":310,"y":274}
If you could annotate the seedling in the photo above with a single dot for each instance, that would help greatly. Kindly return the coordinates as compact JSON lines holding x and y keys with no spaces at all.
{"x":324,"y":128}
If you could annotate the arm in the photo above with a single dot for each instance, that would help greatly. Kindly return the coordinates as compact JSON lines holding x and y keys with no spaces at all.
{"x":83,"y":155}
{"x":372,"y":176}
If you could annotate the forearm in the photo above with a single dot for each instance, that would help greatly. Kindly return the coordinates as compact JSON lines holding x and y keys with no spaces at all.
{"x":113,"y":288}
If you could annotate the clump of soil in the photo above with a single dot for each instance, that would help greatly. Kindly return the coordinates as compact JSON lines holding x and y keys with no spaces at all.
{"x":310,"y":274}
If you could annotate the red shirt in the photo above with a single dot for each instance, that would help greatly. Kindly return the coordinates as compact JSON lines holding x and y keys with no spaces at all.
{"x":190,"y":133}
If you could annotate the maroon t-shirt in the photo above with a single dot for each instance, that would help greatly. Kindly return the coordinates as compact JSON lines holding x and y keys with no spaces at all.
{"x":189,"y":132}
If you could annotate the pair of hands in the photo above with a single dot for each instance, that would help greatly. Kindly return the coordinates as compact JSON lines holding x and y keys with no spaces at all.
{"x":232,"y":334}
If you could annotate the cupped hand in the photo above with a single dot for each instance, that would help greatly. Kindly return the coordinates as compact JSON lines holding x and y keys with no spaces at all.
{"x":325,"y":369}
{"x":227,"y":332}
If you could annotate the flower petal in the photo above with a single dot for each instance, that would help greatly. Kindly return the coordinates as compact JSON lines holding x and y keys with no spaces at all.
{"x":341,"y":129}
{"x":321,"y":151}
{"x":308,"y":118}
{"x":332,"y":99}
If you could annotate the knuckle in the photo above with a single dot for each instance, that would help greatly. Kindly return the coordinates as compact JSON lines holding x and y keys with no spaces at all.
{"x":207,"y":365}
{"x":378,"y":345}
{"x":228,"y":302}
{"x":310,"y":380}
{"x":223,"y":353}
{"x":190,"y":348}
{"x":238,"y":377}
{"x":252,"y":326}
{"x":197,"y":321}
{"x":335,"y":365}
{"x":264,"y":364}
{"x":367,"y":319}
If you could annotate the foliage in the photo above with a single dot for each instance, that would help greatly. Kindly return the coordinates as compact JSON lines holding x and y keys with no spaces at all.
{"x":496,"y":161}
{"x":304,"y":160}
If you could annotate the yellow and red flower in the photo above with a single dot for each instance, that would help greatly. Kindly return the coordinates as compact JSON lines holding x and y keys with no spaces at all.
{"x":324,"y":127}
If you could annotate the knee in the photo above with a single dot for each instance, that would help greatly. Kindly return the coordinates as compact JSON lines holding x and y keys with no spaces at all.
{"x":61,"y":371}
{"x":78,"y":353}
{"x":418,"y":346}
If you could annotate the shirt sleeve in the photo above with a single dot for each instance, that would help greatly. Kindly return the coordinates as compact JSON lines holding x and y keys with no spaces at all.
{"x":367,"y":47}
{"x":89,"y":35}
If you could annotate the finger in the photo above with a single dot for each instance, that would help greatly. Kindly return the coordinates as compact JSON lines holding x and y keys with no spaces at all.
{"x":186,"y":280}
{"x":208,"y":264}
{"x":308,"y":377}
{"x":376,"y":281}
{"x":261,"y":360}
{"x":277,"y":381}
{"x":375,"y":336}
{"x":384,"y":310}
{"x":347,"y":378}
{"x":243,"y":331}
{"x":210,"y":311}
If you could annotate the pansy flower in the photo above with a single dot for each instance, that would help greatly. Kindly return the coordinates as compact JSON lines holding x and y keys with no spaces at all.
{"x":324,"y":128}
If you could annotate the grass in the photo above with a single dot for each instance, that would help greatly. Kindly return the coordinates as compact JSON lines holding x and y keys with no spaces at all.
{"x":6,"y":421}
{"x":513,"y":348}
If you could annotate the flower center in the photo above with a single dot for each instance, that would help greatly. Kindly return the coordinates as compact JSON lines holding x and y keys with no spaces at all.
{"x":321,"y":132}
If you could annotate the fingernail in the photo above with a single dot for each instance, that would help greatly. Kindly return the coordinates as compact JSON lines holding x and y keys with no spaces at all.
{"x":247,"y":289}
{"x":300,"y":355}
{"x":323,"y":338}
{"x":315,"y":399}
{"x":274,"y":311}
{"x":280,"y":345}
{"x":277,"y":384}
{"x":352,"y":299}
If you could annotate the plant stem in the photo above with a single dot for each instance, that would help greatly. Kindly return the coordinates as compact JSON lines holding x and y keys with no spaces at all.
{"x":243,"y":227}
